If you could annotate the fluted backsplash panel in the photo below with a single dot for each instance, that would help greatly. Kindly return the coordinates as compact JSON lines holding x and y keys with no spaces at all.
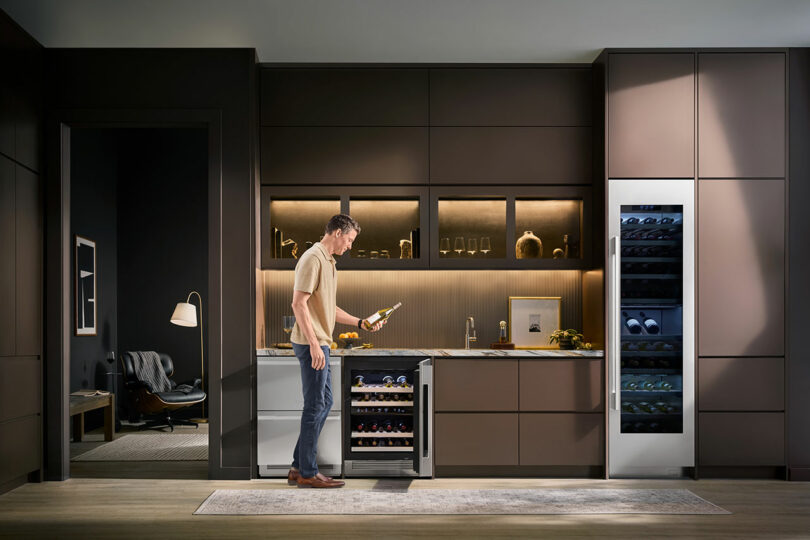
{"x":435,"y":303}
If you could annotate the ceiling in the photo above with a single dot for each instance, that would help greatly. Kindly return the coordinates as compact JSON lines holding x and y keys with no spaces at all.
{"x":416,"y":30}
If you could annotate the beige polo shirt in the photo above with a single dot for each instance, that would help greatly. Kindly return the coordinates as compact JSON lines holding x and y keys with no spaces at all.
{"x":315,"y":274}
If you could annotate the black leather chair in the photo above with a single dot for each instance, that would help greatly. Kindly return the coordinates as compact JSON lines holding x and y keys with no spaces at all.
{"x":144,"y":400}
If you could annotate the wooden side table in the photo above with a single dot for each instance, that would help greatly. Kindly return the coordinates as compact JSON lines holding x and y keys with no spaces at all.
{"x":81,"y":404}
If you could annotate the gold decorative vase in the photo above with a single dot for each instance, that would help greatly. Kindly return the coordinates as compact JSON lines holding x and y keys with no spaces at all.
{"x":528,"y":246}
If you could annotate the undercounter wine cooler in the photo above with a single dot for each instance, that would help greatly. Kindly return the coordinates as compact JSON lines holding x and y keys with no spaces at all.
{"x":388,"y":409}
{"x":651,"y":325}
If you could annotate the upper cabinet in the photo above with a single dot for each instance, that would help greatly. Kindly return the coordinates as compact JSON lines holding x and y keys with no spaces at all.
{"x":741,"y":115}
{"x":344,"y":97}
{"x":651,"y":115}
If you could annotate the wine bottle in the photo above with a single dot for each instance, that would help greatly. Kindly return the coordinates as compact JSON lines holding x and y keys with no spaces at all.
{"x":646,"y":385}
{"x":663,"y":385}
{"x":360,"y":427}
{"x":373,"y":427}
{"x":387,"y":426}
{"x":380,"y":316}
{"x":402,"y":381}
{"x":373,"y":442}
{"x":402,"y":427}
{"x":388,"y":381}
{"x":632,"y":324}
{"x":650,"y":324}
{"x":358,"y":381}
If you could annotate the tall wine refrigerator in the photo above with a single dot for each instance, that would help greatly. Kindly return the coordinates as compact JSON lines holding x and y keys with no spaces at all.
{"x":651,"y":325}
{"x":388,"y":430}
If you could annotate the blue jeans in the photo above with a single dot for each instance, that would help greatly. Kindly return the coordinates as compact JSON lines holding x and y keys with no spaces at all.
{"x":317,"y":388}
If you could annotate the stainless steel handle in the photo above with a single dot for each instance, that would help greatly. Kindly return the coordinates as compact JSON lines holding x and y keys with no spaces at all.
{"x":613,"y":322}
{"x":426,"y":418}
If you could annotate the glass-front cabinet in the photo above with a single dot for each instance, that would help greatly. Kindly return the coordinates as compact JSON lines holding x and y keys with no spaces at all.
{"x":411,"y":227}
{"x":392,"y":221}
{"x":510,"y":227}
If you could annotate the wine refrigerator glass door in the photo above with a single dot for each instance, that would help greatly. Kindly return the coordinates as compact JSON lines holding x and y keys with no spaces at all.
{"x":651,"y":323}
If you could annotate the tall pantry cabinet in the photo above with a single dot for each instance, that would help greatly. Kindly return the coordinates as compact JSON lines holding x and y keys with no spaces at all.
{"x":719,"y":117}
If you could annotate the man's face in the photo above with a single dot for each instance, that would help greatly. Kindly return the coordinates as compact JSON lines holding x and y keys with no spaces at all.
{"x":344,"y":241}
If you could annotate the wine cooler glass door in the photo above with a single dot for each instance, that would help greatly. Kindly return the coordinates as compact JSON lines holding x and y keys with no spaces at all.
{"x":651,"y":352}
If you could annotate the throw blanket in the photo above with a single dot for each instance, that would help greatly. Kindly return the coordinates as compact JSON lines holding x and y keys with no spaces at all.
{"x":149,"y":370}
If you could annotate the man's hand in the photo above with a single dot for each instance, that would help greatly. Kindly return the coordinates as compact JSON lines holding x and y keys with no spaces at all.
{"x":318,"y":358}
{"x":377,"y":326}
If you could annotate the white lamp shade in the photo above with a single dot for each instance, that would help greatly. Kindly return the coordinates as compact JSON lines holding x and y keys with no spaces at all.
{"x":184,"y":315}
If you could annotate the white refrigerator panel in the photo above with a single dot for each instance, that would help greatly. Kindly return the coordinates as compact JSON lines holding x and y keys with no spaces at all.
{"x":649,"y":453}
{"x":277,"y":433}
{"x":279,"y":384}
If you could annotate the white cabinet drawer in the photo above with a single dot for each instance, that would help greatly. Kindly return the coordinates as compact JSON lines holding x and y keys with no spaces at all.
{"x":277,"y":434}
{"x":279,"y":384}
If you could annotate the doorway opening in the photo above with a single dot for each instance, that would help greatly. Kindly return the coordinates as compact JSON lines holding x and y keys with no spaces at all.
{"x":138,"y":197}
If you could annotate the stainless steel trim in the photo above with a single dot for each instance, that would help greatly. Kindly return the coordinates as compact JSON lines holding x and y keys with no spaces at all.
{"x":615,"y":320}
{"x":382,"y":467}
{"x":426,"y":400}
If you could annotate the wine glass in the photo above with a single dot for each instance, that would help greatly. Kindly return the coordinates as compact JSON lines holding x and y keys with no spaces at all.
{"x":288,"y":321}
{"x":485,"y":245}
{"x":458,"y":245}
{"x":472,"y":246}
{"x":444,"y":246}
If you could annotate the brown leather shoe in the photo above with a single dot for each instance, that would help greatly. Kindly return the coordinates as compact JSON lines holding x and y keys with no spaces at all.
{"x":293,"y":476}
{"x":316,"y":482}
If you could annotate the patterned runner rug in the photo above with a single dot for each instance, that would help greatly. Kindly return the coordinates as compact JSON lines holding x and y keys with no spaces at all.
{"x":456,"y":501}
{"x":151,"y":447}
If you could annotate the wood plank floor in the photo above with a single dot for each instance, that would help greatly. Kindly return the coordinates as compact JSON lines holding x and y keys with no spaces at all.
{"x":155,"y":508}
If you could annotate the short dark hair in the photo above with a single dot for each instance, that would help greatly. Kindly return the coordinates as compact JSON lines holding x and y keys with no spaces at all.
{"x":342,"y":222}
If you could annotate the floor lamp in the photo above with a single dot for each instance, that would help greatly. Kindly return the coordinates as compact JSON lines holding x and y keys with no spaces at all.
{"x":185,"y":314}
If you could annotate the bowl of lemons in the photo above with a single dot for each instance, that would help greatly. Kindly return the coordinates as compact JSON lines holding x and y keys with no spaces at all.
{"x":348,"y":340}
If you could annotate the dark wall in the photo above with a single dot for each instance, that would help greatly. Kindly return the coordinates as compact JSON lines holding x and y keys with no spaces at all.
{"x":21,"y":232}
{"x":94,"y":179}
{"x":798,"y":300}
{"x":163,"y":241}
{"x":159,"y":81}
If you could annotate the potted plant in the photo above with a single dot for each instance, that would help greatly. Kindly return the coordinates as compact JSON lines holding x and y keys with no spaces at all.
{"x":569,"y":339}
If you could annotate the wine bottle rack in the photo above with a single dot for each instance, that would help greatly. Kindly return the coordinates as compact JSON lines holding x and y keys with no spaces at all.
{"x":382,"y":448}
{"x":382,"y":404}
{"x":382,"y":434}
{"x":380,"y":389}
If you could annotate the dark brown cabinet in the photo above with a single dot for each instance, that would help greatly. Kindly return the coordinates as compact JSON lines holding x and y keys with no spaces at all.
{"x":562,"y":385}
{"x":651,"y":115}
{"x":741,"y":384}
{"x":476,"y":385}
{"x":7,"y":262}
{"x":476,"y":439}
{"x":344,"y":97}
{"x":28,"y":257}
{"x":741,"y":115}
{"x":562,"y":439}
{"x":344,"y":155}
{"x":741,"y":268}
{"x":510,"y":97}
{"x":741,"y":439}
{"x":510,"y":155}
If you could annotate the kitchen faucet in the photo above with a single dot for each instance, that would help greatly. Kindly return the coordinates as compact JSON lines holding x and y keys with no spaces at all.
{"x":469,"y":332}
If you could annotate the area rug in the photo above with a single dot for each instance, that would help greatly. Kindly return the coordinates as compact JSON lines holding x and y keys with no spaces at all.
{"x":151,"y":447}
{"x":456,"y":501}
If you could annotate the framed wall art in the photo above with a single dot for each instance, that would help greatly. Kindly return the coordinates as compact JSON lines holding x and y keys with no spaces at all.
{"x":532,"y":319}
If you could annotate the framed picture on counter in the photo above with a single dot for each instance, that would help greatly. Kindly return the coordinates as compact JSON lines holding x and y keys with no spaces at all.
{"x":532,"y":319}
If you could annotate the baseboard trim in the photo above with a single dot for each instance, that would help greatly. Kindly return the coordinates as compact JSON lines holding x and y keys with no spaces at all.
{"x":520,"y":471}
{"x":13,"y":484}
{"x":771,"y":473}
{"x":799,"y":474}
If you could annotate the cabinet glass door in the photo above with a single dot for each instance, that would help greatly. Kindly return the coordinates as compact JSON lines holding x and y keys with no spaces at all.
{"x":548,"y":229}
{"x":471,"y":230}
{"x":391,"y":228}
{"x":651,"y":273}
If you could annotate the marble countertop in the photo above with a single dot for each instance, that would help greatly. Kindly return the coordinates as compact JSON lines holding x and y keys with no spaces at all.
{"x":450,"y":353}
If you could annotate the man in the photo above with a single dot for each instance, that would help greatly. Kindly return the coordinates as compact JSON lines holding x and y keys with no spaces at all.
{"x":316,"y":311}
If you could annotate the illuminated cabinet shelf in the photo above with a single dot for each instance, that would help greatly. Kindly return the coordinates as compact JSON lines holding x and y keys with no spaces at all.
{"x":413,"y":227}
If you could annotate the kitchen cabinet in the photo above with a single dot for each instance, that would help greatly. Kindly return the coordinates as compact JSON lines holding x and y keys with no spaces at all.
{"x":498,"y":217}
{"x":651,"y":115}
{"x":23,"y":456}
{"x":344,"y":155}
{"x":562,"y":385}
{"x":562,"y":439}
{"x":28,"y":258}
{"x":7,"y":258}
{"x":741,"y":268}
{"x":741,"y":439}
{"x":510,"y":155}
{"x":741,"y":384}
{"x":741,"y":115}
{"x":477,"y":439}
{"x":476,"y":385}
{"x":392,"y":221}
{"x":344,"y":97}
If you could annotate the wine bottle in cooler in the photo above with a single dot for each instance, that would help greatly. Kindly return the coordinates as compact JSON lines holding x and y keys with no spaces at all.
{"x":387,"y":426}
{"x":388,"y":381}
{"x":360,"y":427}
{"x":402,"y":427}
{"x":650,"y":324}
{"x":380,"y":316}
{"x":373,"y":426}
{"x":632,"y":324}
